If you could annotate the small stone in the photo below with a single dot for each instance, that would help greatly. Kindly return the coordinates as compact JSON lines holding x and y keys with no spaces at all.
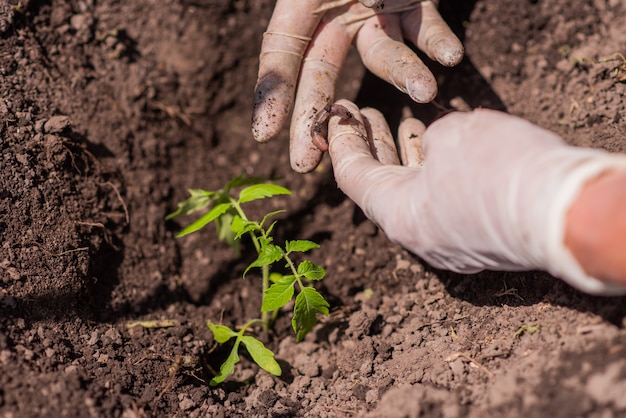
{"x":56,"y":124}
{"x":39,"y":125}
{"x":28,"y":354}
{"x":5,"y":356}
{"x":136,"y":332}
{"x":186,"y":404}
{"x":72,"y":368}
{"x":94,"y":338}
{"x":114,"y":335}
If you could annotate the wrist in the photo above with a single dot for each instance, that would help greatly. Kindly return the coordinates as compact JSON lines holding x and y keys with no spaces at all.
{"x":595,"y":227}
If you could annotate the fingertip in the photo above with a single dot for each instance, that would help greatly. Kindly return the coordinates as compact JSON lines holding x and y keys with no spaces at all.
{"x":410,"y":136}
{"x":303,"y":159}
{"x":372,"y":113}
{"x":273,"y":97}
{"x":425,"y":27}
{"x":352,"y":108}
{"x":347,"y":139}
{"x":422,"y":87}
{"x":382,"y":144}
{"x":447,"y":51}
{"x":304,"y":155}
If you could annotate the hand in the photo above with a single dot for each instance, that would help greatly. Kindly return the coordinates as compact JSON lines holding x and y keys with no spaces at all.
{"x":304,"y":48}
{"x":493,"y":192}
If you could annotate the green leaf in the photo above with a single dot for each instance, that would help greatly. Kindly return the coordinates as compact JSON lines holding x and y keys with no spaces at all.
{"x":278,"y":294}
{"x":308,"y":304}
{"x":199,"y":199}
{"x":241,"y":227}
{"x":301,"y":246}
{"x":225,"y":232}
{"x":215,"y":212}
{"x":221,"y":333}
{"x":270,"y":228}
{"x":269,"y":215}
{"x":242,"y":180}
{"x":265,"y":240}
{"x":261,"y":191}
{"x":269,"y":254}
{"x":530,"y":329}
{"x":228,"y":367}
{"x":261,"y":355}
{"x":311,"y":270}
{"x":277,"y":277}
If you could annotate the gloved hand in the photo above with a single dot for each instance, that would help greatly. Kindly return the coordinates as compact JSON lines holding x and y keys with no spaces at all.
{"x":493,"y":191}
{"x":304,"y":49}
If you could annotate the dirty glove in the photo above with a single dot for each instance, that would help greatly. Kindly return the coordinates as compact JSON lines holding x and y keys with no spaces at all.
{"x":493,"y":192}
{"x":304,"y":49}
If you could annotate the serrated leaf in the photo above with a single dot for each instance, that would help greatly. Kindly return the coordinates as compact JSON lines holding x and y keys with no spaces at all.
{"x":228,"y":367}
{"x":269,"y":254}
{"x":261,"y":355}
{"x":199,"y":199}
{"x":241,"y":226}
{"x":225,"y":232}
{"x":311,"y":270}
{"x":271,"y":227}
{"x":242,"y":180}
{"x":309,"y":303}
{"x":215,"y":212}
{"x":261,"y":191}
{"x":278,"y":294}
{"x":269,"y":215}
{"x":276,"y":277}
{"x":221,"y":333}
{"x":265,"y":240}
{"x":237,"y":223}
{"x":301,"y":245}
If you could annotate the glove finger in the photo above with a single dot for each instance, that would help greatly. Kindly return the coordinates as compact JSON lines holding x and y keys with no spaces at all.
{"x":382,"y":51}
{"x":379,"y":190}
{"x":318,"y":77}
{"x":284,"y":43}
{"x":429,"y":32}
{"x":350,"y":153}
{"x":410,"y":135}
{"x":371,"y":3}
{"x":382,"y":145}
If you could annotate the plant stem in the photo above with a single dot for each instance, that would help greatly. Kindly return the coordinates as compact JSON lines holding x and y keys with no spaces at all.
{"x":249,"y":324}
{"x":266,"y":284}
{"x":265,"y":269}
{"x":293,"y":270}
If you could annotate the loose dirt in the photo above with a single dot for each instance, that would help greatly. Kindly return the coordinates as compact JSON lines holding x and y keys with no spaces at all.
{"x":110,"y":110}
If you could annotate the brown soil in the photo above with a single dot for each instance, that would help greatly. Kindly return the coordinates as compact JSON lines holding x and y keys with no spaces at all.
{"x":110,"y":110}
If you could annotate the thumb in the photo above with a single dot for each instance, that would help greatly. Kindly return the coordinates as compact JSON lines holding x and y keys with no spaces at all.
{"x":353,"y":163}
{"x":358,"y":174}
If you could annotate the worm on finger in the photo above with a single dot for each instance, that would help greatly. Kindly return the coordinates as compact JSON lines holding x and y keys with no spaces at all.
{"x":321,"y":120}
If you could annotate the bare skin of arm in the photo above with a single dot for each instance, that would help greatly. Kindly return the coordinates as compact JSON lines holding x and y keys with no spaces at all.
{"x":595,"y":230}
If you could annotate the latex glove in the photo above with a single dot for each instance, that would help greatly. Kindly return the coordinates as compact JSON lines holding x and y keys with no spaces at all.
{"x":493,"y":192}
{"x":304,"y":49}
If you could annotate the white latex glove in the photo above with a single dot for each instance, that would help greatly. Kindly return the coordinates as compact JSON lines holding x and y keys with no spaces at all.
{"x":493,"y":192}
{"x":304,"y":49}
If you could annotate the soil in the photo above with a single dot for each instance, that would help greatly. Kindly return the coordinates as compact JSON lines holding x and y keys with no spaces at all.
{"x":110,"y":110}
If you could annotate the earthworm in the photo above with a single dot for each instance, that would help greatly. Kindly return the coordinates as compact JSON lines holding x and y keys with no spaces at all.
{"x":320,"y":121}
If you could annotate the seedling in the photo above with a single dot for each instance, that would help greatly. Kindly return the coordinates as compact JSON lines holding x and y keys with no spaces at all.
{"x":530,"y":329}
{"x":224,"y":208}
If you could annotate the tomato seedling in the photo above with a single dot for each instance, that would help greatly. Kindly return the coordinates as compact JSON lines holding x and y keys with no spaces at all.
{"x":224,"y":208}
